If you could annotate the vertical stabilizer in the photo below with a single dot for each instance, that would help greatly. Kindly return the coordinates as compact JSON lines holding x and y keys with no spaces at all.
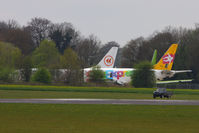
{"x":108,"y":60}
{"x":166,"y":62}
{"x":154,"y":58}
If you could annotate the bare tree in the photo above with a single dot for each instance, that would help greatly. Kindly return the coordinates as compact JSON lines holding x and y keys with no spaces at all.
{"x":88,"y":50}
{"x":10,"y":24}
{"x":130,"y":53}
{"x":39,"y":29}
{"x":63,"y":35}
{"x":11,"y":32}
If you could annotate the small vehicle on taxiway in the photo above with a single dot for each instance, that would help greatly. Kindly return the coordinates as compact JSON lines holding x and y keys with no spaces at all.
{"x":162,"y":92}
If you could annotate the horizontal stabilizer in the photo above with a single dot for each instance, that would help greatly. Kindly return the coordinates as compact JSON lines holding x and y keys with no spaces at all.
{"x":174,"y":81}
{"x":183,"y":71}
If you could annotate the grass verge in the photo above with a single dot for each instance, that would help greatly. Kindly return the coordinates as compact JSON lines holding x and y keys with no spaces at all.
{"x":32,"y":91}
{"x":75,"y":89}
{"x":52,"y":118}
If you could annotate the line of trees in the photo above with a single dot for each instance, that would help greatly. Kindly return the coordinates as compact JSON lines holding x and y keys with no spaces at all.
{"x":42,"y":43}
{"x":187,"y":55}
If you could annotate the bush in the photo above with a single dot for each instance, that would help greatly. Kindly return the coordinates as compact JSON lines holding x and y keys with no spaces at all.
{"x":143,"y":76}
{"x":6,"y":74}
{"x":42,"y":75}
{"x":97,"y":75}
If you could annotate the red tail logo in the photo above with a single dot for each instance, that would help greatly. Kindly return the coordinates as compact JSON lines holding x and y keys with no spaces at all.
{"x":108,"y":60}
{"x":167,"y":59}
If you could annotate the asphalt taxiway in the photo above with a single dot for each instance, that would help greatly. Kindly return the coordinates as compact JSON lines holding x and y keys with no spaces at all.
{"x":104,"y":101}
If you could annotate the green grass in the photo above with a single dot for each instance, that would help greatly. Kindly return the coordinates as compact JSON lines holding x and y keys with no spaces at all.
{"x":54,"y":94}
{"x":28,"y":91}
{"x":101,"y":95}
{"x":76,"y":89}
{"x":67,"y":118}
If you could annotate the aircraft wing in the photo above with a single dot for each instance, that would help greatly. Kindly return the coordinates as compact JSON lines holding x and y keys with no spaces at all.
{"x":174,"y":81}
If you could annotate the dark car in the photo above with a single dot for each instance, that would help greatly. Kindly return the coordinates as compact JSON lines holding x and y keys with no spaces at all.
{"x":162,"y":92}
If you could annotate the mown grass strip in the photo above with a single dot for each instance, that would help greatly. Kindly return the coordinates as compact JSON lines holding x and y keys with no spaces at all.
{"x":93,"y":89}
{"x":67,"y":118}
{"x":76,"y":89}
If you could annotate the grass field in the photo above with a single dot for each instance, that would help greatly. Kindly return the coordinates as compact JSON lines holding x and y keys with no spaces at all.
{"x":69,"y":118}
{"x":63,"y":118}
{"x":28,"y":91}
{"x":52,"y":94}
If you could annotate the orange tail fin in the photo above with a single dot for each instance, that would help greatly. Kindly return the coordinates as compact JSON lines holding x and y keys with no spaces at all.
{"x":166,"y":62}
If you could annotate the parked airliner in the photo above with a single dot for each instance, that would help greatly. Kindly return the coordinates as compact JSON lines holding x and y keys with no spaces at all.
{"x":162,"y":69}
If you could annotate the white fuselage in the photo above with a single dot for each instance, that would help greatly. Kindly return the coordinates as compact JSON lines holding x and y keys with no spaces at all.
{"x":123,"y":75}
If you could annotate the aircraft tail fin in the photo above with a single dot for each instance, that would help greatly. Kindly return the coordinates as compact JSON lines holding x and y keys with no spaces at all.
{"x":108,"y":60}
{"x":166,"y":62}
{"x":154,"y":58}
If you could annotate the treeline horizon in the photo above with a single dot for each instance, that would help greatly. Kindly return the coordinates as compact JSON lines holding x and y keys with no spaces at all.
{"x":58,"y":37}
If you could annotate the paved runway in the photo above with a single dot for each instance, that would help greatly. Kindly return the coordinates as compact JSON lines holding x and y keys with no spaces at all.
{"x":103,"y":101}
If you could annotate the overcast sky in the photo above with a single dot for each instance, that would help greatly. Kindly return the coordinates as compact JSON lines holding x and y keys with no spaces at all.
{"x":109,"y":20}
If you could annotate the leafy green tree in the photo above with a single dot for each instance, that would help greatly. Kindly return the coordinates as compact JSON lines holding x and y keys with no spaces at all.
{"x":71,"y":64}
{"x":143,"y":76}
{"x":9,"y":60}
{"x":46,"y":55}
{"x":42,"y":75}
{"x":70,"y":59}
{"x":97,"y":75}
{"x":26,"y":68}
{"x":9,"y":55}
